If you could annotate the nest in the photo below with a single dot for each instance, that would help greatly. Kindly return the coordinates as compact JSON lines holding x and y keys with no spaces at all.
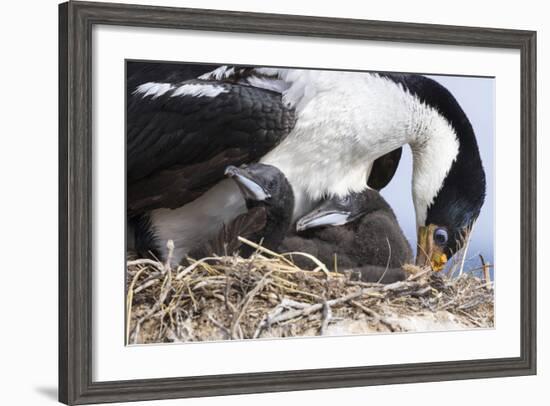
{"x":267,"y":295}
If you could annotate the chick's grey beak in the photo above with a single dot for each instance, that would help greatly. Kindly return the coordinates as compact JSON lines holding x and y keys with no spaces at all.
{"x":250,"y":188}
{"x":321,"y":218}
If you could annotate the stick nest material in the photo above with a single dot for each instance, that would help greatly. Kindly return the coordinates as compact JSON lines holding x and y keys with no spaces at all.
{"x":266,"y":295}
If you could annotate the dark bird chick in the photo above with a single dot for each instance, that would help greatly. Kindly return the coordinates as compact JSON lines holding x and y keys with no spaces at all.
{"x":358,"y":232}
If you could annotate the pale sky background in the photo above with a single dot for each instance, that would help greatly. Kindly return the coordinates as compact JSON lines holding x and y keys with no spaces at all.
{"x":476,"y":97}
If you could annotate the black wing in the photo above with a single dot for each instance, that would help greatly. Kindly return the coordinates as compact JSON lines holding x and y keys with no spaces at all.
{"x":177,"y":128}
{"x":173,"y":187}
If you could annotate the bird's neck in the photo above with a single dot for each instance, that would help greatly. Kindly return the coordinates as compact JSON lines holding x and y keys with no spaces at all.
{"x":435,"y":146}
{"x":278,"y":221}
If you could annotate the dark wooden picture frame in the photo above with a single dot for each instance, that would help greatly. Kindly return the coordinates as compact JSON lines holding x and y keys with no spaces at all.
{"x":76,"y":20}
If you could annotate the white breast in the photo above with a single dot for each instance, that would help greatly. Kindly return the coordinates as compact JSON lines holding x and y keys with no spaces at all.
{"x":192,"y":225}
{"x":344,"y":122}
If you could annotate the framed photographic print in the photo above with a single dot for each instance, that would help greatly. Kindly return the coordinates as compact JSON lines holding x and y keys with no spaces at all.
{"x":259,"y":202}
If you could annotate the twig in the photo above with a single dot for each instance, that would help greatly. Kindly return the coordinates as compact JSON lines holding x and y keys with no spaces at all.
{"x":129,"y":300}
{"x":320,"y":265}
{"x":191,"y":267}
{"x":375,"y":316}
{"x":485,"y":267}
{"x":244,"y":304}
{"x":466,"y":249}
{"x":420,"y":274}
{"x":219,"y":325}
{"x":387,"y":262}
{"x":170,"y":247}
{"x":291,"y":314}
{"x":259,"y":248}
{"x":327,"y":316}
{"x":147,"y":284}
{"x":145,"y":261}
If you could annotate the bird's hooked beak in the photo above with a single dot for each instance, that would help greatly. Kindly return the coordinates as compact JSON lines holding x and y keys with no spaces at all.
{"x":248,"y":183}
{"x":429,"y":253}
{"x":323,"y":217}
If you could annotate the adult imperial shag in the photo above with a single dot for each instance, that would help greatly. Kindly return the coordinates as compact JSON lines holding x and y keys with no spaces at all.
{"x":323,"y":129}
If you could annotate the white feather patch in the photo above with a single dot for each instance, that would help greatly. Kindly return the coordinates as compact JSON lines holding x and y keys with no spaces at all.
{"x":221,"y":73}
{"x":153,"y":89}
{"x":199,"y":90}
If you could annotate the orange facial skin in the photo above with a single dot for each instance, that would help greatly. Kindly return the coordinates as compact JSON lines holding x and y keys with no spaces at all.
{"x":429,"y":253}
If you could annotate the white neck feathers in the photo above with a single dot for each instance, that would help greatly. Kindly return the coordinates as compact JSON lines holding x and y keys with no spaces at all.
{"x":345,"y":121}
{"x":434,"y":151}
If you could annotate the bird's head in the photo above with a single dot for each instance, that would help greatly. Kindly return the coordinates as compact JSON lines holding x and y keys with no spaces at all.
{"x":261,"y":184}
{"x":340,"y":210}
{"x":448,"y":175}
{"x":265,"y":188}
{"x":451,"y":215}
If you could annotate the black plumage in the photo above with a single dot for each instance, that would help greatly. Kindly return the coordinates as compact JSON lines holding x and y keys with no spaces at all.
{"x":186,"y":129}
{"x":370,"y":243}
{"x":178,"y":145}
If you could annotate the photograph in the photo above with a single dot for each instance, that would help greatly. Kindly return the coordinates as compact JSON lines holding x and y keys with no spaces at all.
{"x":274,"y":203}
{"x":271,"y":202}
{"x":261,"y":201}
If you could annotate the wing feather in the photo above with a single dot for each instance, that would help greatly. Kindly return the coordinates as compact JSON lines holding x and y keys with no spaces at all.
{"x":181,"y":130}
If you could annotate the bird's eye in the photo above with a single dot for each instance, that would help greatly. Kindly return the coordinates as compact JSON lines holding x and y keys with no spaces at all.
{"x":441,"y":236}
